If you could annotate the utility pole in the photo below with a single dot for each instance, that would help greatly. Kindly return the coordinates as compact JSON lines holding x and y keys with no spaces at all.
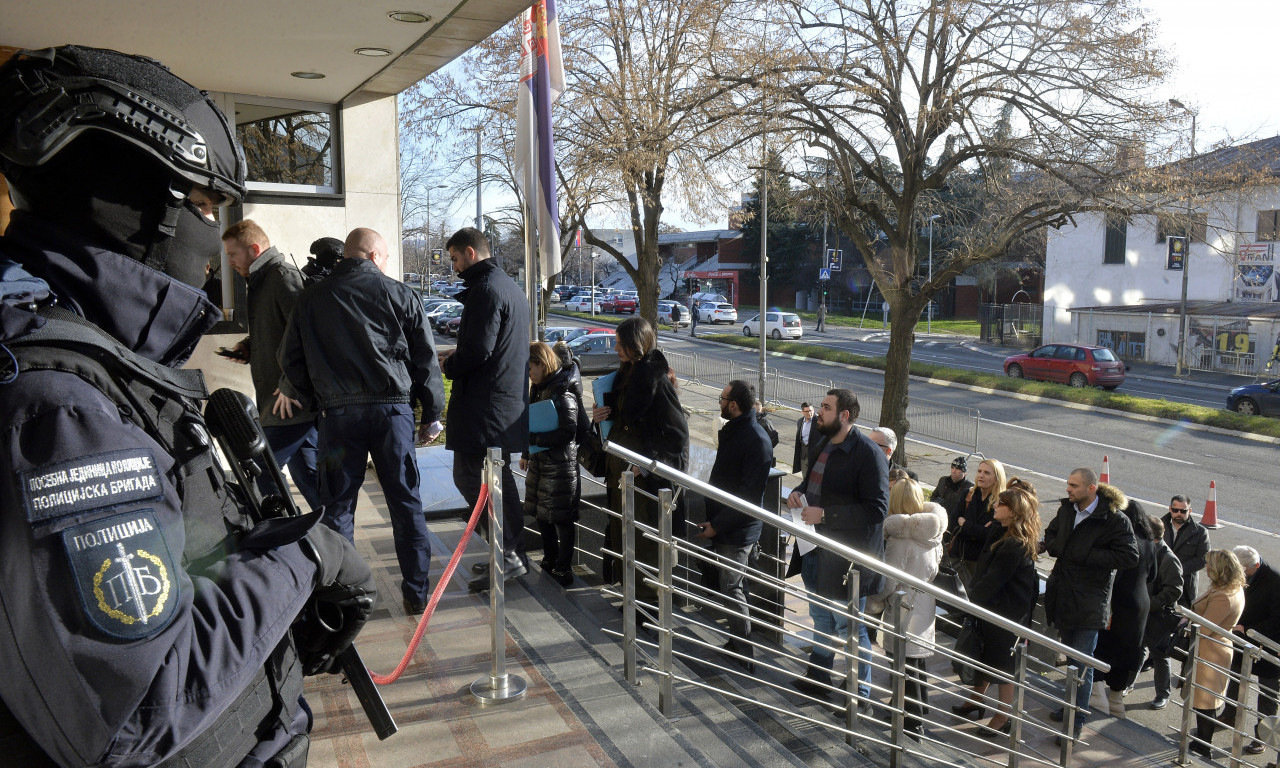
{"x":479,"y":210}
{"x":932,"y":219}
{"x":1186,"y":259}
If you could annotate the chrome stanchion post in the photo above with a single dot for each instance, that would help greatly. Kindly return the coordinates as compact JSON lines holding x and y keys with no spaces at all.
{"x":1189,"y":688}
{"x":1074,"y":673}
{"x":1019,"y":701}
{"x":627,"y":483}
{"x":851,"y":648}
{"x":498,"y":687}
{"x":666,"y":564}
{"x":1237,"y":736}
{"x":898,"y":718}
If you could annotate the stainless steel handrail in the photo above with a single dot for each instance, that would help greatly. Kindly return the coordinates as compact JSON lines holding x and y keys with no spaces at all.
{"x":859,"y":558}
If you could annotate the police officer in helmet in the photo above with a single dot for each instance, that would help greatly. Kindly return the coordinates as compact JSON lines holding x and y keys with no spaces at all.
{"x":145,"y":619}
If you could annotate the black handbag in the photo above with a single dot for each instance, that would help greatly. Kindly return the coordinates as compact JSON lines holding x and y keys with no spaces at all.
{"x":969,"y":644}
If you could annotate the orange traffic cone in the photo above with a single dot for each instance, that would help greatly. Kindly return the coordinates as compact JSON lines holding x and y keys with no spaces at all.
{"x":1105,"y":477}
{"x":1210,"y":517}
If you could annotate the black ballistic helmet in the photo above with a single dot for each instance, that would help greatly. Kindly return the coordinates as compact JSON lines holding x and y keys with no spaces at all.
{"x":50,"y":97}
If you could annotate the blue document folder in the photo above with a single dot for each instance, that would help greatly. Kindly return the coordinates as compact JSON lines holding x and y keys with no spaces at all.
{"x":542,"y":418}
{"x":599,"y":388}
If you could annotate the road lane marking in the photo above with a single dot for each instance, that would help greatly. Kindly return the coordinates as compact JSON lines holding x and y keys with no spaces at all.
{"x":1091,"y":442}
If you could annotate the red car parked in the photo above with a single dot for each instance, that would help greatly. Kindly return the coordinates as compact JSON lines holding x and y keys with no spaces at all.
{"x":1074,"y":364}
{"x":619,"y":304}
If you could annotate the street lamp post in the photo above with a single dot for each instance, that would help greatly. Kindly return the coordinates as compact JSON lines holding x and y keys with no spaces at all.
{"x":422,"y":276}
{"x":1186,"y":259}
{"x":593,"y":282}
{"x":932,"y":218}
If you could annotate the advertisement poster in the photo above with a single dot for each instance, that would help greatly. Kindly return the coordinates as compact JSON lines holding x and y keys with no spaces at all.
{"x":1255,"y":277}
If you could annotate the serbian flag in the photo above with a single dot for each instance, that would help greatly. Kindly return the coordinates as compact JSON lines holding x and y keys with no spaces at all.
{"x":541,"y":83}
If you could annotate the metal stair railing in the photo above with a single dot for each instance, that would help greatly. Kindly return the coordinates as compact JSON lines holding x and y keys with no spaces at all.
{"x":684,"y":639}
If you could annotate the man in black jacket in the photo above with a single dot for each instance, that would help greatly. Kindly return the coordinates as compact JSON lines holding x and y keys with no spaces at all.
{"x":741,"y":468}
{"x":847,"y":495}
{"x":1189,"y":540}
{"x":1162,"y":618}
{"x":1090,"y":541}
{"x":359,"y":351}
{"x":488,"y":406}
{"x":804,"y":431}
{"x":1262,"y":615}
{"x":274,"y":286}
{"x":951,"y":488}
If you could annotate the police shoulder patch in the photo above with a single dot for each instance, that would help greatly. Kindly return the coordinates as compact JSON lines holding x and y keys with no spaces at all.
{"x":124,"y":574}
{"x":90,"y":482}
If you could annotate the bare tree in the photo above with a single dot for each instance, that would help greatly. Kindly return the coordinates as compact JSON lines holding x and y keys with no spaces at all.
{"x":1000,"y":117}
{"x":647,"y":115}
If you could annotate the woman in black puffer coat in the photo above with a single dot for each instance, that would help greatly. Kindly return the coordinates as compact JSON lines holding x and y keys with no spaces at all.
{"x":552,"y":488}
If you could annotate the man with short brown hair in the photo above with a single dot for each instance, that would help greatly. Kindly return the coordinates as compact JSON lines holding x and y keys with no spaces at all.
{"x":274,"y":285}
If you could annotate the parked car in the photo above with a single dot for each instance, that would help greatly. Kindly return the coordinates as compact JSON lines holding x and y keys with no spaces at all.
{"x":711,"y":312}
{"x":777,"y":324}
{"x":583,"y":302}
{"x":451,"y":325}
{"x":596,"y":352}
{"x":1074,"y":364}
{"x":664,"y":314}
{"x":450,"y":312}
{"x":620,"y":303}
{"x":439,"y":306}
{"x":1256,"y":399}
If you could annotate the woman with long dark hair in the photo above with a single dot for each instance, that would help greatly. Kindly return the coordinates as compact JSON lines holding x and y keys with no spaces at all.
{"x":1005,"y":582}
{"x":647,"y":418}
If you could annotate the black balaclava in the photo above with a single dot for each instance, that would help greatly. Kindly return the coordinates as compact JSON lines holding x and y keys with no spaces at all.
{"x":123,"y":199}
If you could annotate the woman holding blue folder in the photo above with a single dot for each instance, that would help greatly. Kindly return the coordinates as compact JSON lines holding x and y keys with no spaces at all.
{"x":552,"y":488}
{"x":646,"y":417}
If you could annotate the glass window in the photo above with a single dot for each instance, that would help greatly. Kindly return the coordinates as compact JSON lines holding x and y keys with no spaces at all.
{"x":1104,"y":356}
{"x":288,"y":146}
{"x":1268,"y":227}
{"x":1114,"y":244}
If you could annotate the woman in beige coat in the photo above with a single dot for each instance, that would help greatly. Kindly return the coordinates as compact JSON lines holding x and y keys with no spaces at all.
{"x":1221,"y":604}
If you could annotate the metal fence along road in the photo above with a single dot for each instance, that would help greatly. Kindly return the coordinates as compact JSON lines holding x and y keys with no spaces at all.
{"x":952,"y":425}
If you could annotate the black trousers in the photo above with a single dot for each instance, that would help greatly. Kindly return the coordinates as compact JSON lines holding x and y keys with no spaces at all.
{"x":468,"y":469}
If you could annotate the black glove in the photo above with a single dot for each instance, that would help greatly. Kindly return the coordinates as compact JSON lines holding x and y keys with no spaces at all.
{"x":340,"y":606}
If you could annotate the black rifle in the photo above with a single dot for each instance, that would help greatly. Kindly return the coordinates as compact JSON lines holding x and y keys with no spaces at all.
{"x":232,"y":419}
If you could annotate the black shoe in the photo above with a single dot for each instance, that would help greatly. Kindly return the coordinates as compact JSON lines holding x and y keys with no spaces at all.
{"x":1056,"y":715}
{"x":414,"y":609}
{"x":479,"y":568}
{"x":1255,"y":747}
{"x":563,"y":578}
{"x":913,"y":732}
{"x":987,"y":732}
{"x":969,"y":710}
{"x":1160,"y":702}
{"x":812,"y":688}
{"x":1201,"y":749}
{"x":481,"y":584}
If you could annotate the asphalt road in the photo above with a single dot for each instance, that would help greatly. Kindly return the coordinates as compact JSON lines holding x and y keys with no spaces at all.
{"x":1043,"y":442}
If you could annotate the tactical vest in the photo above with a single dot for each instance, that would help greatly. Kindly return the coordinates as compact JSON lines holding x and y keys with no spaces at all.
{"x":165,"y":403}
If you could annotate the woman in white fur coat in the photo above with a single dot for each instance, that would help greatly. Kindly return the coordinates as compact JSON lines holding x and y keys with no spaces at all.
{"x":913,"y":543}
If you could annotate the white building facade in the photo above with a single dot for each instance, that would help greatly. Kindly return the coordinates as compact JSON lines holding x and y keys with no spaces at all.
{"x":1115,"y":282}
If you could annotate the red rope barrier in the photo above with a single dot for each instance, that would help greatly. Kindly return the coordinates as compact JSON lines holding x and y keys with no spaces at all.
{"x":436,"y":594}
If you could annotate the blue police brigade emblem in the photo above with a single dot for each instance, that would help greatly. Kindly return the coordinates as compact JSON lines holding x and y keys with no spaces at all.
{"x":124,"y":573}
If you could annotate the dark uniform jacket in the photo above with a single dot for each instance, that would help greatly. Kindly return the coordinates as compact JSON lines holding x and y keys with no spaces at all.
{"x":1262,"y":612}
{"x":360,"y":338}
{"x":490,"y":367}
{"x":274,"y":288}
{"x":1190,"y":543}
{"x":88,"y":679}
{"x":855,"y":500}
{"x":741,"y":469}
{"x":1078,"y":595}
{"x":551,"y":485}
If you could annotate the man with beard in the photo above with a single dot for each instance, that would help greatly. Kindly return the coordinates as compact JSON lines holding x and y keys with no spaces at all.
{"x":847,"y":495}
{"x":1090,"y":540}
{"x":1189,"y":540}
{"x":741,"y":468}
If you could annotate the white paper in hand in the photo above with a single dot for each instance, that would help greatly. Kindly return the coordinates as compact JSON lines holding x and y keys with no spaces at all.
{"x":803,"y":545}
